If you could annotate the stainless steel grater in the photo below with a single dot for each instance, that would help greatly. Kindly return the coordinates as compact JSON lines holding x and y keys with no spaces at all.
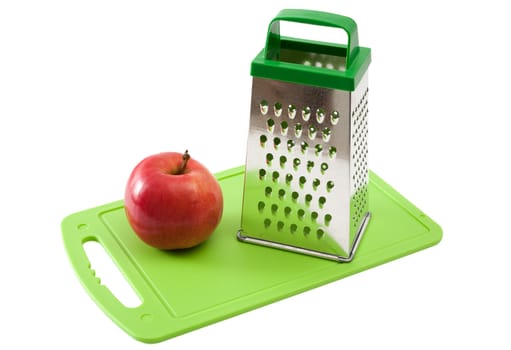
{"x":306,"y":172}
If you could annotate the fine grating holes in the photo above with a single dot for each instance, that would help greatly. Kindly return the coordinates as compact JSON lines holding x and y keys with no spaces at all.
{"x":296,"y":163}
{"x":315,"y":183}
{"x":312,"y":132}
{"x":274,"y":209}
{"x":263,"y":106}
{"x":308,"y":199}
{"x":291,"y":111}
{"x":283,"y":128}
{"x":289,"y":178}
{"x":282,"y":161}
{"x":290,"y":145}
{"x":260,"y":206}
{"x":324,"y":168}
{"x":310,"y":165}
{"x":262,"y":174}
{"x":270,"y":125}
{"x":267,"y":191}
{"x":262,"y":140}
{"x":277,"y":109}
{"x":320,"y":115}
{"x":269,"y":159}
{"x":334,"y":117}
{"x":306,"y":113}
{"x":303,"y":146}
{"x":318,"y":149}
{"x":276,"y":143}
{"x":325,"y":134}
{"x":298,"y":130}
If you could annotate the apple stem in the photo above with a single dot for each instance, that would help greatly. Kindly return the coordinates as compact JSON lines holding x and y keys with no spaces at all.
{"x":186,"y":157}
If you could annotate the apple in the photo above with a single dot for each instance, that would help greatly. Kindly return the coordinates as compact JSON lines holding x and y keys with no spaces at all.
{"x":172,"y":201}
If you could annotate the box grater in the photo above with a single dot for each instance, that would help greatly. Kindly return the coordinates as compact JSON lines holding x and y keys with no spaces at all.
{"x":306,"y":172}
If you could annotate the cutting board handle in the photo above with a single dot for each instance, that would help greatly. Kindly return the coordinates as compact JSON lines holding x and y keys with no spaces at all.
{"x":141,"y":322}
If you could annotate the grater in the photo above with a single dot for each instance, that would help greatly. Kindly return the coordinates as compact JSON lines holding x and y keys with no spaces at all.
{"x":306,"y":172}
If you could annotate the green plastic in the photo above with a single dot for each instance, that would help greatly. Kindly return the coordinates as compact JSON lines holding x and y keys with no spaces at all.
{"x":269,"y":63}
{"x":185,"y":290}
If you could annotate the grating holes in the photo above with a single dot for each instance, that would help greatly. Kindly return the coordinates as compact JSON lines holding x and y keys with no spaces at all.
{"x":332,"y":151}
{"x":329,"y":186}
{"x":320,"y":115}
{"x":280,"y":225}
{"x":263,"y":106}
{"x":260,"y":206}
{"x":328,"y":219}
{"x":320,"y":233}
{"x":301,"y":214}
{"x":306,"y":113}
{"x":293,"y":228}
{"x":291,"y":111}
{"x":314,"y":216}
{"x":308,"y":199}
{"x":262,"y":140}
{"x":307,"y":63}
{"x":315,"y":183}
{"x":317,"y":149}
{"x":274,"y":209}
{"x":302,"y":180}
{"x":262,"y":174}
{"x":269,"y":159}
{"x":298,"y":130}
{"x":283,"y":128}
{"x":277,"y":109}
{"x":324,"y":168}
{"x":287,"y":211}
{"x":321,"y":201}
{"x":334,"y":117}
{"x":306,"y":230}
{"x":275,"y":176}
{"x":267,"y":191}
{"x":267,"y":223}
{"x":294,"y":196}
{"x":289,"y":178}
{"x":276,"y":143}
{"x":282,"y":194}
{"x":303,"y":146}
{"x":312,"y":132}
{"x":318,"y":64}
{"x":290,"y":145}
{"x":310,"y":165}
{"x":326,"y":133}
{"x":282,"y":161}
{"x":270,"y":125}
{"x":296,"y":163}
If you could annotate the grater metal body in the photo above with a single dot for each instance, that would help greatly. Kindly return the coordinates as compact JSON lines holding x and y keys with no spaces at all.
{"x":306,"y":172}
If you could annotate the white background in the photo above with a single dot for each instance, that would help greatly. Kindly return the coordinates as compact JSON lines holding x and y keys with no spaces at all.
{"x":89,"y":88}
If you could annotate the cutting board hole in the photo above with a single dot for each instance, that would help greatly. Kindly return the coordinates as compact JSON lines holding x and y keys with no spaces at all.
{"x":109,"y":274}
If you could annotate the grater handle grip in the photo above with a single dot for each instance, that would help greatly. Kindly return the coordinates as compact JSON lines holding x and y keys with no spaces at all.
{"x":324,"y":19}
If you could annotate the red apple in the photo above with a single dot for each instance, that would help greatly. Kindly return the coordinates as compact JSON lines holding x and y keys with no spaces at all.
{"x":172,"y":201}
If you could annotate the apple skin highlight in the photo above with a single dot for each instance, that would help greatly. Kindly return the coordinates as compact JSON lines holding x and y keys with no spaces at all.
{"x":171,"y":206}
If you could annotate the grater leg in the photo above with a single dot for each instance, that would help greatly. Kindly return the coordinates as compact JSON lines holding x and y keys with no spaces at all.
{"x":259,"y":241}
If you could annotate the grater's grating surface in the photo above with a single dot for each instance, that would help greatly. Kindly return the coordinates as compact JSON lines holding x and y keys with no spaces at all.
{"x":306,"y":167}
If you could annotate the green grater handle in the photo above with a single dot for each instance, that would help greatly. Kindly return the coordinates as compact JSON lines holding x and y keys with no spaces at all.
{"x":325,"y":19}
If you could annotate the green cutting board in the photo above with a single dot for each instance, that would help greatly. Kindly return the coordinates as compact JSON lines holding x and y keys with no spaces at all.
{"x":185,"y":290}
